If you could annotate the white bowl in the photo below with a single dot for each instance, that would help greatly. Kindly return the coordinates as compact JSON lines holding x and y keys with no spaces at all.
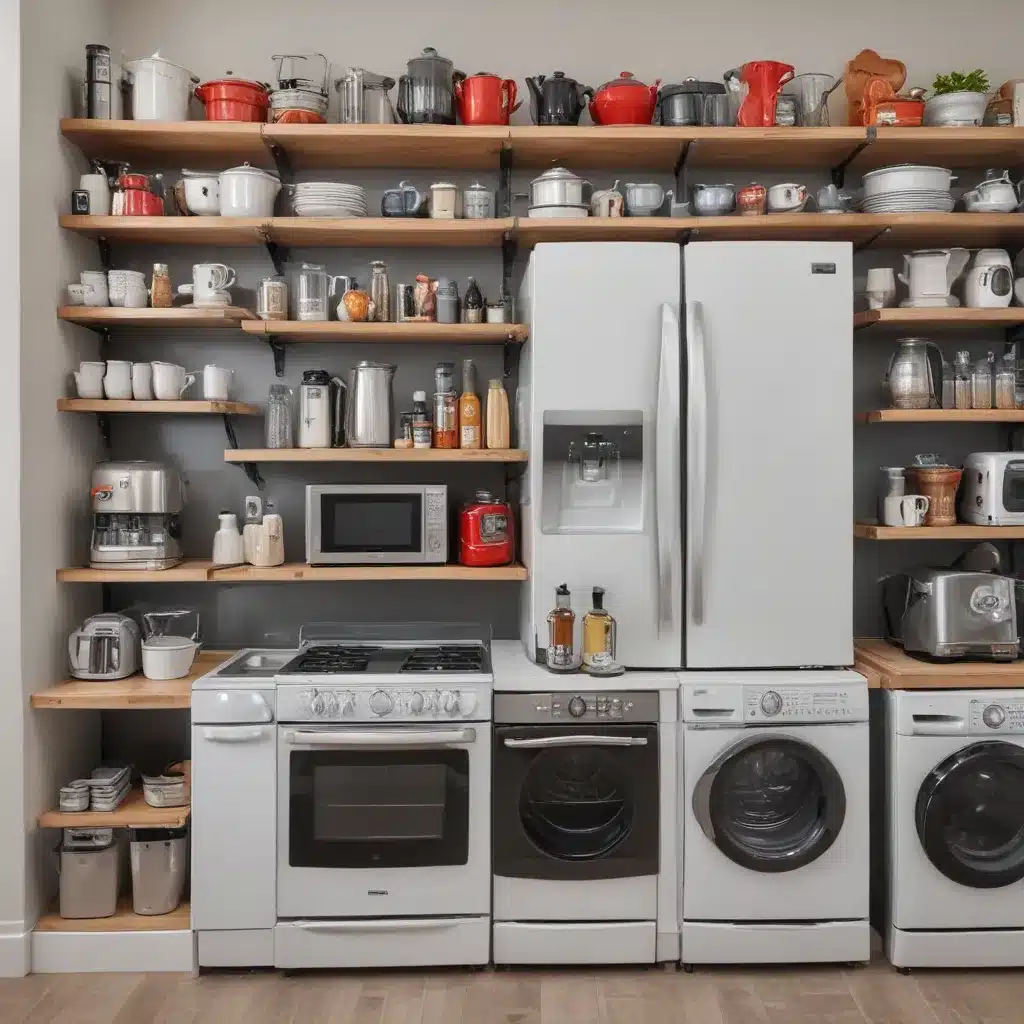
{"x":168,"y":657}
{"x":907,"y":177}
{"x":558,"y":212}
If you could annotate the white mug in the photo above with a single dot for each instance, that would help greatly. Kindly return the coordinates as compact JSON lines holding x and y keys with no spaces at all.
{"x":787,"y":198}
{"x":170,"y":381}
{"x":97,"y":281}
{"x":212,"y":277}
{"x":117,"y":383}
{"x":118,"y":282}
{"x":881,"y":287}
{"x":217,"y":383}
{"x":142,"y":382}
{"x":905,"y":510}
{"x":89,"y":379}
{"x":99,"y":193}
{"x":136,"y":296}
{"x":77,"y":294}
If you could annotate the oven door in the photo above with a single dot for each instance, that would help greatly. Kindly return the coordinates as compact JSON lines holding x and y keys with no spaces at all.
{"x":364,"y":524}
{"x":576,"y":802}
{"x":383,"y":821}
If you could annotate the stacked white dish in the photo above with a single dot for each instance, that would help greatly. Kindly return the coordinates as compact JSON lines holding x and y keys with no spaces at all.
{"x":329,"y":199}
{"x":908,"y":188}
{"x":560,"y":212}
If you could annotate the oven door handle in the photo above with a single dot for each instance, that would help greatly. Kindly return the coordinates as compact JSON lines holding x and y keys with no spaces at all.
{"x":578,"y":741}
{"x":417,"y":924}
{"x":379,"y":738}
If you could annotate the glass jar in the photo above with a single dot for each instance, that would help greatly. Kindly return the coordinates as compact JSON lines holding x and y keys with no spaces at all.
{"x":948,"y":386}
{"x":981,"y":384}
{"x":962,"y":381}
{"x":279,"y":417}
{"x":160,"y":287}
{"x":1005,"y":382}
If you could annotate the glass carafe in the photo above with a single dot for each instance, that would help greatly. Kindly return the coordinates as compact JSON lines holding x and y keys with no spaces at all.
{"x":909,"y":379}
{"x":426,"y":93}
{"x":811,"y":92}
{"x":311,"y":293}
{"x":596,"y":457}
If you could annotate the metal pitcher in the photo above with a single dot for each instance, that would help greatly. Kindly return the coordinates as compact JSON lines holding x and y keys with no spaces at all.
{"x":426,"y":95}
{"x":370,"y":414}
{"x":364,"y":97}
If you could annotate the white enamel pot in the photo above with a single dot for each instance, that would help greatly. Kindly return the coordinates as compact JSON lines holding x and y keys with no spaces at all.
{"x":248,"y":192}
{"x":160,"y":90}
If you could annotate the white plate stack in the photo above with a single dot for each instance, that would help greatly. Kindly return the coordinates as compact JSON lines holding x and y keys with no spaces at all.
{"x":329,"y":199}
{"x":908,"y":188}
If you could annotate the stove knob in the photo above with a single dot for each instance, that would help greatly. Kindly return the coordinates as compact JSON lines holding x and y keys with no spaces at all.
{"x":331,"y":704}
{"x":449,"y":702}
{"x":316,"y":703}
{"x":467,"y":704}
{"x":415,"y":703}
{"x":577,"y":707}
{"x":381,"y":702}
{"x":432,"y":701}
{"x":771,"y":703}
{"x":348,"y":702}
{"x":993,"y":716}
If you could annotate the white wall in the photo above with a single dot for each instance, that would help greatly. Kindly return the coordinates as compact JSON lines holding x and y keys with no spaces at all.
{"x":45,"y":459}
{"x":593,"y":42}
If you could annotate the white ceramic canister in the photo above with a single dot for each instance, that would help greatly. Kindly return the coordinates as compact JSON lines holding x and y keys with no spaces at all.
{"x":477,"y":203}
{"x":248,"y":191}
{"x":444,"y":201}
{"x":160,"y":90}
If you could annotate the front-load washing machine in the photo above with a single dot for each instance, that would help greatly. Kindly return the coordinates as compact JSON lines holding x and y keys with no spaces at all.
{"x":774,"y":817}
{"x":954,"y":849}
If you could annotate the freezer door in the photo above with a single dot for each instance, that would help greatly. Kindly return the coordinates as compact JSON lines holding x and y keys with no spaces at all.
{"x":769,"y":454}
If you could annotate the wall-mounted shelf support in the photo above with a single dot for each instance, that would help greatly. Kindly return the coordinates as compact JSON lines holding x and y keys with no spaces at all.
{"x":505,"y":161}
{"x":105,"y":258}
{"x":277,"y":347}
{"x":278,"y":254}
{"x":839,"y":171}
{"x":687,"y":235}
{"x":281,"y":161}
{"x":249,"y":468}
{"x":508,"y":261}
{"x":871,"y":241}
{"x":103,"y":422}
{"x":679,"y":171}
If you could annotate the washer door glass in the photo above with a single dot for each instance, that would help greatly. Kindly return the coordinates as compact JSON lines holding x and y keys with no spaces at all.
{"x":771,"y":804}
{"x":970,"y":815}
{"x":576,"y":803}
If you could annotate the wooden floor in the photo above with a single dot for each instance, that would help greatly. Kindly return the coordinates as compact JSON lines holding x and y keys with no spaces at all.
{"x":874,"y":993}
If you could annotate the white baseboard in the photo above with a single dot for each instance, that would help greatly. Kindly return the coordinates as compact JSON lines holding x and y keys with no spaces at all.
{"x":15,"y":954}
{"x":87,"y":952}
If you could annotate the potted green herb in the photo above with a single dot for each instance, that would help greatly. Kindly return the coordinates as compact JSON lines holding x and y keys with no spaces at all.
{"x":959,"y":99}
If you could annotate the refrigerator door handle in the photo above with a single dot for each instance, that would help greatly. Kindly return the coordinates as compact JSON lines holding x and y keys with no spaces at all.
{"x":697,"y":442}
{"x":667,"y":463}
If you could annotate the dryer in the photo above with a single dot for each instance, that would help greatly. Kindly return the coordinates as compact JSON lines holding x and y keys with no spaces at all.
{"x":774,"y":817}
{"x":954,"y":828}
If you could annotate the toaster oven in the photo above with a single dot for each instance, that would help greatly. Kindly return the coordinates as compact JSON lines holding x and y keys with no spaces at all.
{"x":992,"y":489}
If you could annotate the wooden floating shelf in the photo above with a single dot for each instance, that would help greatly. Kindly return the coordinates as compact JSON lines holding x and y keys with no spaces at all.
{"x":412,"y":332}
{"x":961,"y":531}
{"x":940,"y":319}
{"x":375,"y":455}
{"x":124,"y":920}
{"x":168,"y":230}
{"x":199,"y":571}
{"x":133,"y":812}
{"x":897,"y":670}
{"x":221,"y":144}
{"x":942,"y":416}
{"x":103,"y":317}
{"x":136,"y":693}
{"x":182,"y":406}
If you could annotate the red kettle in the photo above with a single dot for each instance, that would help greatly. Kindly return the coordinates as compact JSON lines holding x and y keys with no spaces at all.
{"x":485,"y":99}
{"x":763,"y":80}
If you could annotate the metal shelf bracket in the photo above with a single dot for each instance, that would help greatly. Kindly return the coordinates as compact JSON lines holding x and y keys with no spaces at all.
{"x":679,"y":170}
{"x":281,"y":159}
{"x":278,"y":254}
{"x":249,"y":468}
{"x":277,"y":347}
{"x":505,"y":160}
{"x":839,"y":171}
{"x":874,"y":238}
{"x":105,"y":258}
{"x":103,"y":423}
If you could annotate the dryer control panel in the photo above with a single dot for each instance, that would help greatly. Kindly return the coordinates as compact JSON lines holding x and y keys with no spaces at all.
{"x":1000,"y":716}
{"x":801,"y":704}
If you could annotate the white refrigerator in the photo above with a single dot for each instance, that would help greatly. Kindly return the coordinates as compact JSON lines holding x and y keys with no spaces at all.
{"x":689,"y":419}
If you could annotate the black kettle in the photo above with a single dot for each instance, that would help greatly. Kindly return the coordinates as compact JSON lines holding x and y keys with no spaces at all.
{"x":557,"y":100}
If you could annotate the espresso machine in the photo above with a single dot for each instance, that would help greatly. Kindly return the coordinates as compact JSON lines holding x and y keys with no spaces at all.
{"x":136,"y":516}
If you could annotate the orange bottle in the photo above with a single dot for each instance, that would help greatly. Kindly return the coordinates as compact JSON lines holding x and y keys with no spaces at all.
{"x":469,"y":409}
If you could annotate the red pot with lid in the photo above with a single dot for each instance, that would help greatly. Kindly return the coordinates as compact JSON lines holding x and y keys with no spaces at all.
{"x":137,"y":198}
{"x":486,"y":531}
{"x":234,"y":99}
{"x":624,"y":100}
{"x":484,"y":98}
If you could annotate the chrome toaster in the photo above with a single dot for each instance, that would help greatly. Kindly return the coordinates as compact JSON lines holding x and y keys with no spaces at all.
{"x":945,"y":613}
{"x":992,"y":489}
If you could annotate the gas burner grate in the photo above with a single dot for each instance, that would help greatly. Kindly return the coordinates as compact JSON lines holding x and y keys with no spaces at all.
{"x":443,"y":659}
{"x":327,"y":660}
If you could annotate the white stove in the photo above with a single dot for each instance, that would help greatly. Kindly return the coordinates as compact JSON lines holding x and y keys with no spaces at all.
{"x":379,"y":851}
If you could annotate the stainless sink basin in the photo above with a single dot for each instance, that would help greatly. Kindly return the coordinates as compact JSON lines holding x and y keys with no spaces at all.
{"x":254,"y":664}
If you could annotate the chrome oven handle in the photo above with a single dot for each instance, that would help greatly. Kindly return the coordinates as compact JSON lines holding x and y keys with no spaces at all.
{"x":234,"y":733}
{"x":379,"y":738}
{"x":417,"y":924}
{"x":577,"y":741}
{"x":697,"y":459}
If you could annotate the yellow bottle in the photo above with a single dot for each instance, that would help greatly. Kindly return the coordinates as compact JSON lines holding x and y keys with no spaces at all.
{"x":469,"y":408}
{"x":598,"y":633}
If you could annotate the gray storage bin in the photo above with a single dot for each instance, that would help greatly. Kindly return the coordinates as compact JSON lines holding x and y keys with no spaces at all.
{"x":158,"y":858}
{"x":88,"y":881}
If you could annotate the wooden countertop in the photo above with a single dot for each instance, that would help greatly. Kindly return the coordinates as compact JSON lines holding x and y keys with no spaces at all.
{"x":890,"y":668}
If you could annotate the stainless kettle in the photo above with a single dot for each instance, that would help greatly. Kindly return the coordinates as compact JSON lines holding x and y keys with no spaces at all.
{"x":364,"y":97}
{"x":369,"y":418}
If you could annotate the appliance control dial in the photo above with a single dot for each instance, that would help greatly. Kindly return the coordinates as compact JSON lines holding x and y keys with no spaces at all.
{"x":316,"y":703}
{"x":467,"y":704}
{"x":771,"y":703}
{"x":348,"y":702}
{"x":415,"y":703}
{"x":331,"y":703}
{"x":577,"y":707}
{"x":993,"y":716}
{"x":381,"y":702}
{"x":449,"y":702}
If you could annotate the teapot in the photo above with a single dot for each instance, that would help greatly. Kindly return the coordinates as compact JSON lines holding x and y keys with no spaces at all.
{"x":557,"y":100}
{"x":426,"y":95}
{"x":759,"y":83}
{"x":624,"y":100}
{"x":930,"y":273}
{"x":404,"y":201}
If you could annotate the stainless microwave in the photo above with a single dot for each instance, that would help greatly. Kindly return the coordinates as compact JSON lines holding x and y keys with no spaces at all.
{"x":369,"y":524}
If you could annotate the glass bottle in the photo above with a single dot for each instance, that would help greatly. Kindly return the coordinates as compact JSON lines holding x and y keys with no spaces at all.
{"x":473,"y":304}
{"x":160,"y":287}
{"x":561,"y":625}
{"x":1005,"y":382}
{"x":498,"y":431}
{"x":422,"y":434}
{"x":598,"y":632}
{"x":962,"y":381}
{"x":469,"y":408}
{"x":380,"y":291}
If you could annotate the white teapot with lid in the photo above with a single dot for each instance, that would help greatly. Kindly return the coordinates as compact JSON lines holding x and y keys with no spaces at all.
{"x":930,"y":273}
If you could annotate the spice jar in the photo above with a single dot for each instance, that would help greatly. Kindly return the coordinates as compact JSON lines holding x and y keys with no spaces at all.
{"x":160,"y":287}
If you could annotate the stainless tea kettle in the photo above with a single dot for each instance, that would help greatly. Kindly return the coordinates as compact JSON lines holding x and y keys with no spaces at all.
{"x":370,"y":417}
{"x":364,"y":97}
